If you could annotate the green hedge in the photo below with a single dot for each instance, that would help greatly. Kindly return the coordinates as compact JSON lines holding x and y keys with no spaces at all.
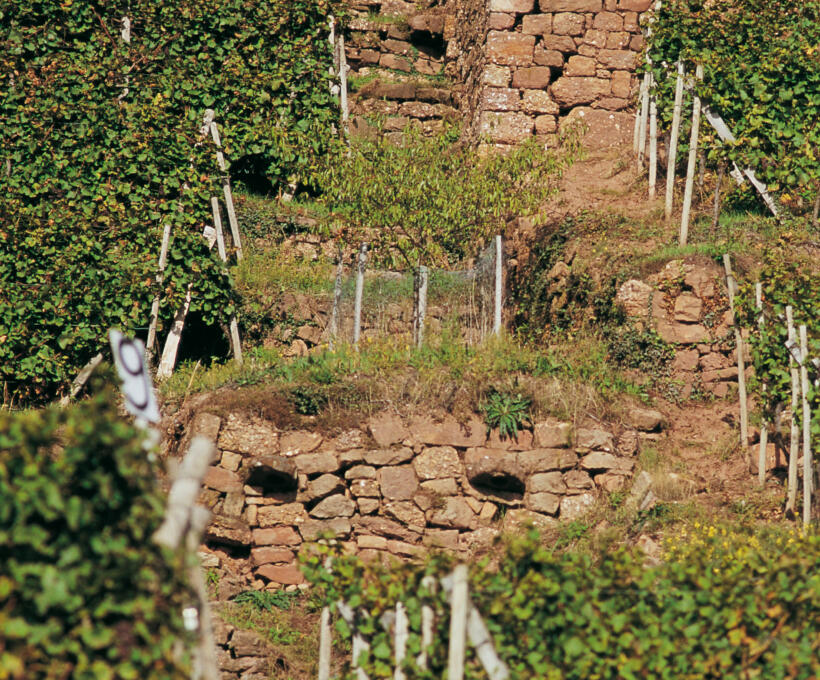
{"x":725,"y":604}
{"x":84,"y":593}
{"x":100,"y":148}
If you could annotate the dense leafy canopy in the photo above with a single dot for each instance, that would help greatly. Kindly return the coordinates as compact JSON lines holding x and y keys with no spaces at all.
{"x":84,"y":593}
{"x":101,"y":148}
{"x":724,"y":604}
{"x":761,"y":61}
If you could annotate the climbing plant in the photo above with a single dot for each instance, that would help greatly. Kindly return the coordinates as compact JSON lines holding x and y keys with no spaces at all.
{"x":761,"y":61}
{"x":100,"y":148}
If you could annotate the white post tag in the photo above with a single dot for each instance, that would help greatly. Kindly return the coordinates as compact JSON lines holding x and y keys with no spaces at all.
{"x":137,"y":387}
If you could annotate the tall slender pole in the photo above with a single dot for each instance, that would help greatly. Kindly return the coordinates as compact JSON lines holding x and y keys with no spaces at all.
{"x":458,"y":624}
{"x":653,"y":143}
{"x":499,"y":288}
{"x":361,"y":265}
{"x":421,"y":304}
{"x":647,"y":84}
{"x":226,"y":190}
{"x":764,"y":430}
{"x":236,"y":344}
{"x":690,"y":169}
{"x":324,"y":645}
{"x":337,"y":301}
{"x":673,"y":141}
{"x":163,"y":258}
{"x":402,"y":633}
{"x":637,"y":130}
{"x":804,"y":384}
{"x":794,"y":440}
{"x":741,"y":372}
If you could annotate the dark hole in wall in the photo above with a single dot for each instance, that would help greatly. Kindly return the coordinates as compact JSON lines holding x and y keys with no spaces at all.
{"x":502,"y":486}
{"x":233,"y":550}
{"x":430,"y":45}
{"x":251,"y":172}
{"x":201,"y":341}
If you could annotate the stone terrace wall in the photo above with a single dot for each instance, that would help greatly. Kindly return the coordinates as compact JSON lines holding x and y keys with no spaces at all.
{"x":546,"y":57}
{"x":509,"y":69}
{"x":393,"y":486}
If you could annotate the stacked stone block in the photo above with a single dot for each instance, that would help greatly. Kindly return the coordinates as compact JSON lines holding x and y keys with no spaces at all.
{"x":394,"y":486}
{"x":546,"y":57}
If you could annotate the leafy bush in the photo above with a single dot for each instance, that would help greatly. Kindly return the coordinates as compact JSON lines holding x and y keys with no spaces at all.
{"x":101,"y":148}
{"x":727,"y":603}
{"x":434,"y":200}
{"x":84,"y":593}
{"x":507,"y":412}
{"x":761,"y":74}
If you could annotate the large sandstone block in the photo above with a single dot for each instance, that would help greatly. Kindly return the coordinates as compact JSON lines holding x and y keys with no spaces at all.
{"x":510,"y":49}
{"x":599,"y":461}
{"x":223,"y":480}
{"x":546,"y":503}
{"x":608,"y":21}
{"x":546,"y":57}
{"x":500,"y":99}
{"x":539,"y":101}
{"x":294,"y":443}
{"x":228,"y":531}
{"x":271,"y":555}
{"x":634,"y":5}
{"x":578,"y":66}
{"x":311,"y":529}
{"x":618,"y":59}
{"x":334,"y":506}
{"x":621,"y":84}
{"x":506,"y":128}
{"x":569,"y":92}
{"x":456,"y":514}
{"x":604,"y":128}
{"x":312,"y":463}
{"x":245,"y":435}
{"x":531,"y":78}
{"x":518,"y":520}
{"x":438,"y":462}
{"x":449,"y":432}
{"x":388,"y":456}
{"x":568,"y":23}
{"x":275,"y":536}
{"x":287,"y":575}
{"x":571,"y":5}
{"x":405,"y":512}
{"x":398,"y":483}
{"x":500,"y":21}
{"x":288,"y":514}
{"x":536,"y":24}
{"x":561,"y":43}
{"x":599,"y":440}
{"x":574,"y":507}
{"x":496,"y":76}
{"x":515,"y":6}
{"x":544,"y":460}
{"x":387,"y":429}
{"x":688,"y":308}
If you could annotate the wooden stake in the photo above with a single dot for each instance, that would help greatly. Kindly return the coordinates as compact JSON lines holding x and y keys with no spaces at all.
{"x":483,"y":644}
{"x":337,"y":301}
{"x":79,"y":381}
{"x":637,"y":129}
{"x":169,"y":352}
{"x":690,"y":168}
{"x":764,"y":431}
{"x":716,"y":205}
{"x":653,"y":144}
{"x":359,"y":646}
{"x":499,"y":274}
{"x":804,"y":384}
{"x":400,"y":637}
{"x":324,"y":645}
{"x":343,"y":69}
{"x":226,"y":190}
{"x":163,"y":257}
{"x":741,"y":373}
{"x":647,"y":83}
{"x":794,"y":441}
{"x":236,"y":344}
{"x":361,"y":265}
{"x":815,"y":215}
{"x":420,"y":311}
{"x":673,"y":141}
{"x":458,"y":624}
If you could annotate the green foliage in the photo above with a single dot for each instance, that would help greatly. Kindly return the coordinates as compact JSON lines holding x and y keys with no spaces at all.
{"x":307,"y":400}
{"x":101,"y":148}
{"x":434,"y":200}
{"x":84,"y":593}
{"x":761,"y":74}
{"x":786,"y":281}
{"x":265,"y":600}
{"x":726,"y":603}
{"x":507,"y":412}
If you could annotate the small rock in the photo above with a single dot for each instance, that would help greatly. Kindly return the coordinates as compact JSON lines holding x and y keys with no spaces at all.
{"x":455,"y":514}
{"x":361,"y":472}
{"x":323,"y":486}
{"x":311,"y":529}
{"x":398,"y":482}
{"x":552,"y":482}
{"x":294,"y":443}
{"x":552,"y":434}
{"x":547,"y":503}
{"x":334,"y":506}
{"x":645,"y":419}
{"x":599,"y":461}
{"x":574,"y":507}
{"x":578,"y":479}
{"x":276,"y":536}
{"x":600,"y":440}
{"x":437,"y":463}
{"x":388,"y":456}
{"x":284,"y":574}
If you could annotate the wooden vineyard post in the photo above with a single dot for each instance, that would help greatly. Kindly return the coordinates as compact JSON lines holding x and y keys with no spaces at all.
{"x":324,"y":645}
{"x":804,"y":385}
{"x":361,"y":265}
{"x":644,"y":117}
{"x":337,"y":301}
{"x":637,"y":130}
{"x":420,"y":306}
{"x":764,"y":431}
{"x":499,"y":288}
{"x":794,"y":440}
{"x":236,"y":344}
{"x":163,"y":258}
{"x":458,"y":624}
{"x":169,"y":352}
{"x":673,"y":142}
{"x":690,"y":168}
{"x":402,"y":633}
{"x":741,"y":374}
{"x":183,"y":526}
{"x":81,"y":379}
{"x":716,"y":204}
{"x":226,"y":190}
{"x":653,"y":143}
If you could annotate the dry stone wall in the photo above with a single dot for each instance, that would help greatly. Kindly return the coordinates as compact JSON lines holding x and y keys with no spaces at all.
{"x":394,"y":486}
{"x":509,"y":69}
